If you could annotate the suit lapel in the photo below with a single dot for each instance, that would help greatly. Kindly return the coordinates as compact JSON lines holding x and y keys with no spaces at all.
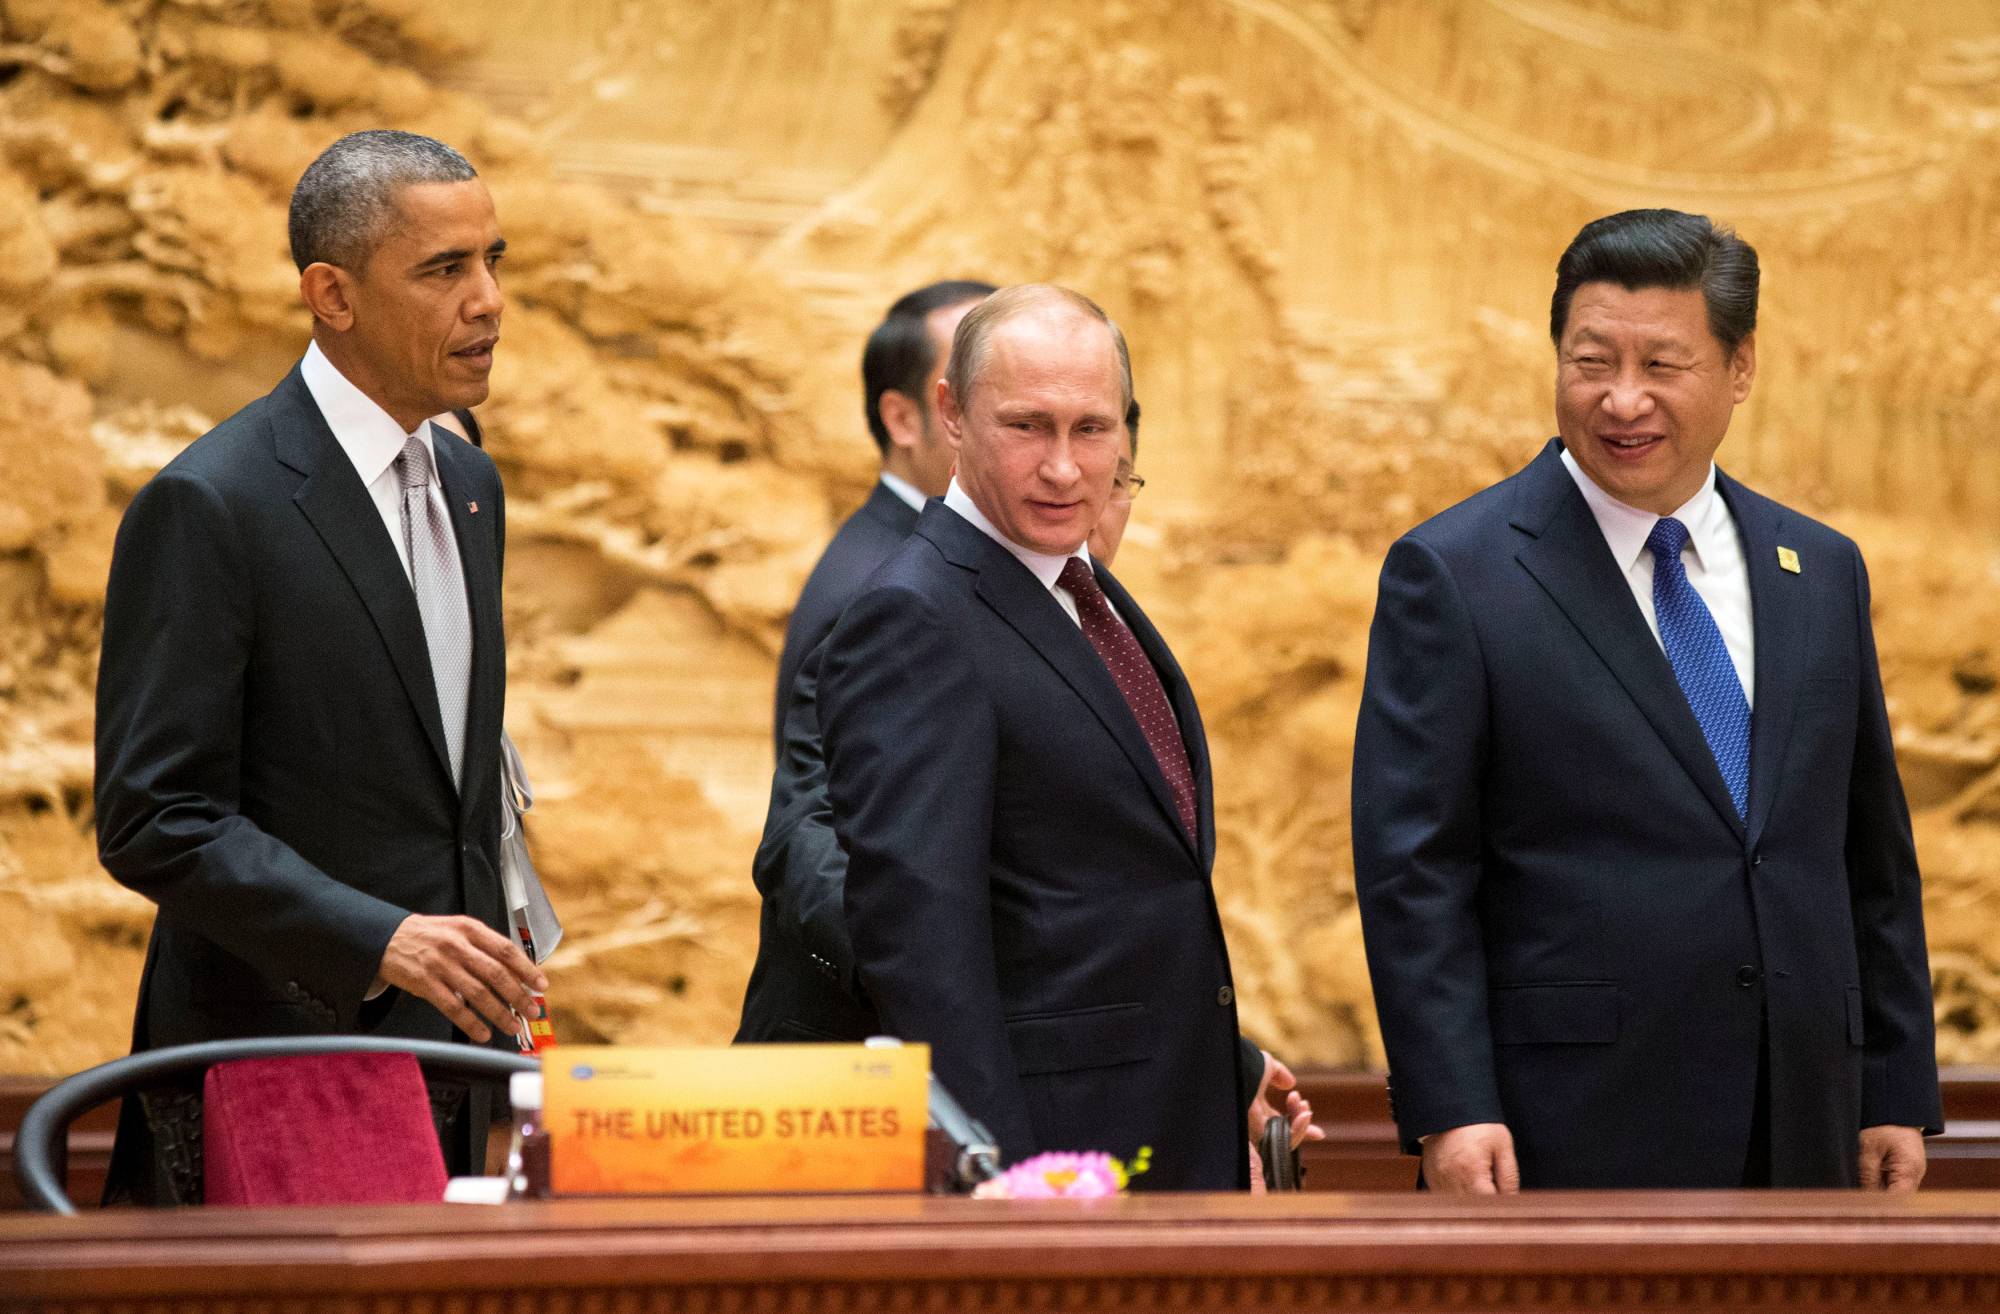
{"x":1777,"y":614}
{"x":341,"y":512}
{"x":479,"y":559}
{"x":1569,"y":558}
{"x":1013,"y":592}
{"x":1181,"y":695}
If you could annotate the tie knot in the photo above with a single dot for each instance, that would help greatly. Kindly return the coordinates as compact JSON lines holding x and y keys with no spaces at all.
{"x":1078,"y":578}
{"x":413,"y":465}
{"x":1669,"y":536}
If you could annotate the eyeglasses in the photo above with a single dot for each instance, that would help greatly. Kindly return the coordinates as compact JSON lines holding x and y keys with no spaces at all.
{"x":1127,"y":487}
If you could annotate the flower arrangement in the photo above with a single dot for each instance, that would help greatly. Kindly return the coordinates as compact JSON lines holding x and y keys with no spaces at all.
{"x":1065,"y":1175}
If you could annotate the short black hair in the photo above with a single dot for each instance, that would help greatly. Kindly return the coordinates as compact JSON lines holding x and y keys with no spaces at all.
{"x":345,"y":197}
{"x":1663,"y":248}
{"x":898,"y":357}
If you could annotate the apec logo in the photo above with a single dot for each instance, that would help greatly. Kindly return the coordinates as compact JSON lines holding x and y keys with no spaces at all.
{"x":583,"y":1072}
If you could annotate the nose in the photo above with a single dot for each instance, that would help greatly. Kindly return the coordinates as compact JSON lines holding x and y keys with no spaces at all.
{"x":1627,"y":398}
{"x":1059,"y":468}
{"x":483,"y":300}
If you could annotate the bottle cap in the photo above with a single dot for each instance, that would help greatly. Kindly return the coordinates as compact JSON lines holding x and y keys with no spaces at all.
{"x":524,"y":1090}
{"x":883,"y":1042}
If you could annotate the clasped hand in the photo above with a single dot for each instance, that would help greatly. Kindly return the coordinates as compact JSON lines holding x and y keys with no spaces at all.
{"x":1278,"y":1078}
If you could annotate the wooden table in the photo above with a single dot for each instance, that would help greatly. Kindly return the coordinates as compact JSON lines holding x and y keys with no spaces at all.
{"x":1777,"y":1251}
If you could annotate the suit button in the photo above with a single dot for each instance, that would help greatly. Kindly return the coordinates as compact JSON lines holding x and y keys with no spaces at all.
{"x":1225,"y":996}
{"x":1747,"y":976}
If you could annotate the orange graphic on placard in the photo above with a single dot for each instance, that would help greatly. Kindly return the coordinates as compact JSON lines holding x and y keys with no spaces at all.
{"x":746,"y":1119}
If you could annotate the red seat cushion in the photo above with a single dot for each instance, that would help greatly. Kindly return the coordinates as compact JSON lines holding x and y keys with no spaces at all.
{"x":320,"y":1129}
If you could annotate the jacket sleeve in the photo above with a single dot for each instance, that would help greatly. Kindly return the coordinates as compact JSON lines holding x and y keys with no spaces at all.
{"x":912,"y":747}
{"x":1899,"y":1063}
{"x":178,"y":630}
{"x":800,"y":868}
{"x":1417,"y":842}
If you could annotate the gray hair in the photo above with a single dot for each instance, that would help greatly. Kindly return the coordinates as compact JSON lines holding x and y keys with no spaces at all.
{"x":972,"y":344}
{"x":346,"y":197}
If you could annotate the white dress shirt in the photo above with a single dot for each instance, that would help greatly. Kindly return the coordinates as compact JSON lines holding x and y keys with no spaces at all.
{"x":372,"y":442}
{"x":1043,"y":566}
{"x":1713,"y":559}
{"x":913,"y":496}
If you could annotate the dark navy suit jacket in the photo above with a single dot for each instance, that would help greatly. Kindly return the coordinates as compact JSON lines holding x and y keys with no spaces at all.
{"x":1569,"y":928}
{"x":802,"y":986}
{"x":271,"y":764}
{"x":864,"y":541}
{"x":1020,"y":892}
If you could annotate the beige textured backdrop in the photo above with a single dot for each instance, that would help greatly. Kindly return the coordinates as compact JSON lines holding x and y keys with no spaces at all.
{"x":1329,"y":227}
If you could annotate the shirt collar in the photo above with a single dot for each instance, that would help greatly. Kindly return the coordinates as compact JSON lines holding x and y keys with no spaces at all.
{"x":1044,"y":567}
{"x":912,"y":496}
{"x":371,"y":439}
{"x":1626,"y":528}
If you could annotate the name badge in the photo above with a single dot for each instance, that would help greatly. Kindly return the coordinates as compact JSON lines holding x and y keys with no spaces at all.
{"x":736,"y":1120}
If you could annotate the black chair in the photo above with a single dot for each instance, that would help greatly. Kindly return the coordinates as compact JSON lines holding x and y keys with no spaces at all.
{"x":41,"y":1146}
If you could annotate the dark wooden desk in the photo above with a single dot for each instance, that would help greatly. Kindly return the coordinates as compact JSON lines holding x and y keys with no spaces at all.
{"x":1359,"y":1153}
{"x":1756,"y":1251}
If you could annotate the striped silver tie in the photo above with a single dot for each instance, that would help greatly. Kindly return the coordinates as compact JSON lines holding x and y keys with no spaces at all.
{"x":440,"y":584}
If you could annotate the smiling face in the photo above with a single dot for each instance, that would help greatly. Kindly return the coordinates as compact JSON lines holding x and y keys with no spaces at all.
{"x":1644,"y":391}
{"x":1038,"y":436}
{"x":416,"y":327}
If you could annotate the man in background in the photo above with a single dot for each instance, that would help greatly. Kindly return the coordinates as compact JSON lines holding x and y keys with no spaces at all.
{"x":299,"y":698}
{"x":900,"y":366}
{"x":1635,"y":868}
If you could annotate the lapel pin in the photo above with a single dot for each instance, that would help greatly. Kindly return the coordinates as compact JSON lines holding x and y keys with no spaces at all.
{"x":473,"y":508}
{"x":1788,"y":560}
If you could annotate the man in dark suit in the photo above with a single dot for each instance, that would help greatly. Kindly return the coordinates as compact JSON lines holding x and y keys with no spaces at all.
{"x":299,"y":699}
{"x":1020,"y":781}
{"x":900,"y":367}
{"x":802,"y":986}
{"x":1636,"y":874}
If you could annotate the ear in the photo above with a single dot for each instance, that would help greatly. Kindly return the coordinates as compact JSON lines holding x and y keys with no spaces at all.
{"x":901,"y":417}
{"x":949,"y":414}
{"x":325,"y":289}
{"x":1743,"y":366}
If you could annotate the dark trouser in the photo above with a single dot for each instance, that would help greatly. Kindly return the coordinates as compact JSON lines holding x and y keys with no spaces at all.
{"x":1757,"y":1160}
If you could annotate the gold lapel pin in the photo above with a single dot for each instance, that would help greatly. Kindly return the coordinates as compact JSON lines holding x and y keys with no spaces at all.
{"x":1788,"y":560}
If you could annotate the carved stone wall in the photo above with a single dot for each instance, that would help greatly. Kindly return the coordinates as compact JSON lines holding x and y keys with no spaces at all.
{"x":1329,"y":227}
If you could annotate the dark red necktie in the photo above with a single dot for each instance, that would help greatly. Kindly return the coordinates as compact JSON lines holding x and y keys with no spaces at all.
{"x":1137,"y":680}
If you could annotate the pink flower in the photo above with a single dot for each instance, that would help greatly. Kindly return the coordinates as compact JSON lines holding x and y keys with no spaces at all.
{"x":1057,"y":1175}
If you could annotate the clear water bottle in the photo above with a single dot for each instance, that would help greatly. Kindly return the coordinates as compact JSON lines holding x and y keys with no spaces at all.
{"x":528,"y":1148}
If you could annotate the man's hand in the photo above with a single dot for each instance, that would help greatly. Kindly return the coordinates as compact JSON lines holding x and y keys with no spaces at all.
{"x":1279,"y":1079}
{"x":1892,"y":1158}
{"x":1476,"y":1159}
{"x":464,"y":967}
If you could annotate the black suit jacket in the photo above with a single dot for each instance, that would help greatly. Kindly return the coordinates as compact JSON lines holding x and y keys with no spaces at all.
{"x":271,"y":764}
{"x":1020,"y":892}
{"x":1569,"y":928}
{"x":802,"y":986}
{"x":864,"y":541}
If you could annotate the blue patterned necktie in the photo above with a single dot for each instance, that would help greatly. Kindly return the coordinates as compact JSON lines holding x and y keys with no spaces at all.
{"x":1701,"y":661}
